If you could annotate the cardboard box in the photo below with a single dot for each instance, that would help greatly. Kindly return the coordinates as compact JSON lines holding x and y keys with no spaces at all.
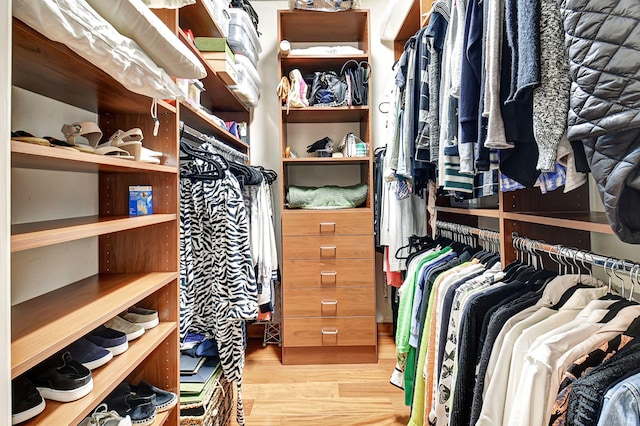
{"x":140,"y":200}
{"x":225,"y":69}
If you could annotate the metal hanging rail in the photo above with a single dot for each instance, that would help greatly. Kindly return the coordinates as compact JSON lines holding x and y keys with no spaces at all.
{"x":469,"y":233}
{"x":584,"y":257}
{"x":225,"y":150}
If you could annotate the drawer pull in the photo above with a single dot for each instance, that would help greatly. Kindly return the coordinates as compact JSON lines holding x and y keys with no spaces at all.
{"x":328,"y":277}
{"x":328,"y":251}
{"x":327,"y":227}
{"x":329,"y":302}
{"x":331,"y":332}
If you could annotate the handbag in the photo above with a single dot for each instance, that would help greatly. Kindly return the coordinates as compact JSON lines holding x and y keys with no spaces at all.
{"x":358,"y":74}
{"x":329,"y":89}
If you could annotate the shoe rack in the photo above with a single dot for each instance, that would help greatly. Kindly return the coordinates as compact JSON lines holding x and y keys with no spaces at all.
{"x":137,"y":256}
{"x":328,"y":257}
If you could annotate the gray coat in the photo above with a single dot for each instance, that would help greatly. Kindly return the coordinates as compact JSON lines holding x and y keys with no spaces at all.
{"x":603,"y":44}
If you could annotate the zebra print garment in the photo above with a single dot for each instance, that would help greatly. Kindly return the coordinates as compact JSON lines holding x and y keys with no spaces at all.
{"x":218,"y":290}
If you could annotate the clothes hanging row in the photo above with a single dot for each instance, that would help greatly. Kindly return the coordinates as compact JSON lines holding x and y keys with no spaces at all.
{"x":519,"y":346}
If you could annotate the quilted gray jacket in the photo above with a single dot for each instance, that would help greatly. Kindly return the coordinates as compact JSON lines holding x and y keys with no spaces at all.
{"x":602,"y":38}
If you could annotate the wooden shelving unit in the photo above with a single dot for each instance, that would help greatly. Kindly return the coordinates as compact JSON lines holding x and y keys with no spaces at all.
{"x":137,"y":257}
{"x":328,"y":258}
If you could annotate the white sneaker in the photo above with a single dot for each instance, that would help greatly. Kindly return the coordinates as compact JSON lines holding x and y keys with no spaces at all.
{"x":102,"y":417}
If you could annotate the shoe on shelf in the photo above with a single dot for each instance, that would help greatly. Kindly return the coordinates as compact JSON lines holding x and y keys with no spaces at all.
{"x":131,"y":330}
{"x":146,"y":318}
{"x":165,"y":400}
{"x":26,"y":401}
{"x":88,"y":353}
{"x":112,"y":340}
{"x":141,"y":409}
{"x":61,"y":378}
{"x":101,"y":416}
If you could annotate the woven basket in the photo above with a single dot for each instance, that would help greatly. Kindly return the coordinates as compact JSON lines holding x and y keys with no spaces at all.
{"x":217,"y":405}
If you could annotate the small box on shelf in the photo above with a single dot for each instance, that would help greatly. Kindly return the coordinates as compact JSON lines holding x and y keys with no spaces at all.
{"x":140,"y":200}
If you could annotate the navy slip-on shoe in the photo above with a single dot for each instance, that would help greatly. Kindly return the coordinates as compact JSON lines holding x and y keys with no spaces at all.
{"x":112,"y":340}
{"x":88,"y":353}
{"x":165,"y":400}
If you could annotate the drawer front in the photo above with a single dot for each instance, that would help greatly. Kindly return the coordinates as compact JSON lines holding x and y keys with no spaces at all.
{"x":330,"y":222}
{"x":357,"y":331}
{"x":328,"y":247}
{"x":327,"y":273}
{"x":329,"y":302}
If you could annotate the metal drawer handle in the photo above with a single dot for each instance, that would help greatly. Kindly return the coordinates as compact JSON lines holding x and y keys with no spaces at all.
{"x":331,"y":332}
{"x":329,"y":302}
{"x":327,"y":227}
{"x":324,"y":277}
{"x":327,"y":248}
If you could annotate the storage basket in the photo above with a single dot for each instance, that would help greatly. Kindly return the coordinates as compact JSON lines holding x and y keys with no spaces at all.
{"x":214,"y":409}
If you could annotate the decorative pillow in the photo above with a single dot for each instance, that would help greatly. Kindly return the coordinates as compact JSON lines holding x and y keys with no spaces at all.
{"x":133,"y":19}
{"x":326,"y":197}
{"x":78,"y":26}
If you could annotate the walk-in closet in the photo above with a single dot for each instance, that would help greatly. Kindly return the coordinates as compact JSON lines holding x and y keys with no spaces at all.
{"x":290,"y":212}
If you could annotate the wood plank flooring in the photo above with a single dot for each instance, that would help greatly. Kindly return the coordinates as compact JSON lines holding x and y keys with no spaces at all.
{"x":326,"y":395}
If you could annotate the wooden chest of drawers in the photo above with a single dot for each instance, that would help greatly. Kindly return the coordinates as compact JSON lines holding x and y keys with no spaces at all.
{"x":328,"y":286}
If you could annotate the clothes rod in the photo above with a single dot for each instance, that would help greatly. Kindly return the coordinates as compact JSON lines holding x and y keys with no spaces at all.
{"x":530,"y":245}
{"x":200,"y":137}
{"x":468,"y":230}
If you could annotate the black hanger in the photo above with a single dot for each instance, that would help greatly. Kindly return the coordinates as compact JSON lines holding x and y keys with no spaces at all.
{"x":567,"y":295}
{"x":615,"y":308}
{"x":217,"y":163}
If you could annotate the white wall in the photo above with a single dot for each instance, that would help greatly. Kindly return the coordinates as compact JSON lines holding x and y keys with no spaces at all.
{"x":5,"y":218}
{"x":265,"y":135}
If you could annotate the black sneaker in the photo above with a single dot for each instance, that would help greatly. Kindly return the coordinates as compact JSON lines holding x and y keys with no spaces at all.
{"x":26,"y":402}
{"x":61,"y":378}
{"x":165,"y":400}
{"x":140,"y":408}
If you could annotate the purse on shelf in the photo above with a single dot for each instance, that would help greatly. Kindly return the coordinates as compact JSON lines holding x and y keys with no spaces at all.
{"x":329,"y":89}
{"x":358,"y":74}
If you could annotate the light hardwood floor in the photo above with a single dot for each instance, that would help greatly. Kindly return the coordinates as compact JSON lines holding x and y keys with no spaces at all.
{"x":326,"y":395}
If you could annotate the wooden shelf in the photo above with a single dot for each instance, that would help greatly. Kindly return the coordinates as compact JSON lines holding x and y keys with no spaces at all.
{"x":308,"y":26}
{"x":42,"y":326}
{"x":31,"y":156}
{"x":309,"y":64}
{"x":581,"y":221}
{"x":198,"y":18}
{"x":344,"y":114}
{"x":288,"y":211}
{"x":41,"y":234}
{"x":220,"y":97}
{"x":470,"y":212}
{"x":325,"y":160}
{"x":199,"y":121}
{"x":51,"y":69}
{"x":105,"y":379}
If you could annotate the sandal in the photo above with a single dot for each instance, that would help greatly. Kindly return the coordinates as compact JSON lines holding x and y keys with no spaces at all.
{"x":86,"y":129}
{"x":23,"y":136}
{"x":130,"y":141}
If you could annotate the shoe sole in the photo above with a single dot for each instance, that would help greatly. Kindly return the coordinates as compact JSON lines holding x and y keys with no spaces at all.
{"x":144,"y":422}
{"x":117,"y":350}
{"x":135,"y":334}
{"x":148,"y":324}
{"x":92,"y":365}
{"x":65,"y":395}
{"x":28,"y":414}
{"x":167,"y":405}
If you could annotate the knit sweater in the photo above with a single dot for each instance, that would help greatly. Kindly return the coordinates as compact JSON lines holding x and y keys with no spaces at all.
{"x":551,"y":97}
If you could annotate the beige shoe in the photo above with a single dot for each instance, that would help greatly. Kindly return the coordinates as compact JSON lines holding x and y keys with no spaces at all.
{"x":146,"y":318}
{"x":133,"y":331}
